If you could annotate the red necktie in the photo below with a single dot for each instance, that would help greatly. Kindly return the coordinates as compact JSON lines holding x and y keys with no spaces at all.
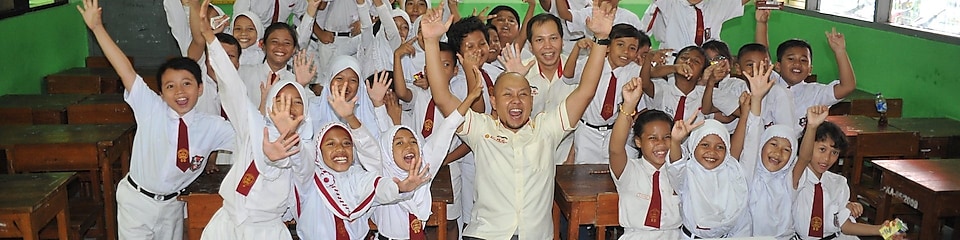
{"x":816,"y":216}
{"x":342,"y":233}
{"x":607,"y":110}
{"x":488,"y":81}
{"x":183,"y":148}
{"x":699,"y":38}
{"x":428,"y":119}
{"x":653,"y":211}
{"x":223,"y":114}
{"x":273,"y":78}
{"x":680,"y":106}
{"x":416,"y":228}
{"x":276,"y":11}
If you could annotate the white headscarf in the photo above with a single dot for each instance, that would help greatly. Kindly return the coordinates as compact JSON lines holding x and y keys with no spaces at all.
{"x":420,"y":204}
{"x":256,"y":24}
{"x":401,"y":13}
{"x":718,"y":193}
{"x":306,"y":127}
{"x":324,"y":113}
{"x":349,"y":194}
{"x":771,"y":193}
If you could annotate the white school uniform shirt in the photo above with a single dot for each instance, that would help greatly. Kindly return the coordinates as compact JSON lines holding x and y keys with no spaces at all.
{"x":806,"y":95}
{"x":515,"y":174}
{"x":421,"y":99}
{"x":657,"y":27}
{"x":267,"y":198}
{"x":265,"y":9}
{"x":680,"y":20}
{"x":771,"y":197}
{"x":209,"y":101}
{"x":494,"y":70}
{"x":253,"y":75}
{"x":635,"y":187}
{"x":393,"y":219}
{"x":836,"y":195}
{"x":547,"y":94}
{"x":153,"y":163}
{"x":777,"y":106}
{"x":413,"y":65}
{"x":178,"y":18}
{"x":667,"y":96}
{"x":570,"y":31}
{"x":623,"y":16}
{"x":377,"y":50}
{"x":711,"y":201}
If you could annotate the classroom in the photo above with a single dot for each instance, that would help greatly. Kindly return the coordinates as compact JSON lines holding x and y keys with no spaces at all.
{"x":420,"y":128}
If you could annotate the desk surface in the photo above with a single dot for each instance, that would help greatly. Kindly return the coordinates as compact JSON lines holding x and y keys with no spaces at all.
{"x":939,"y":175}
{"x":56,"y":134}
{"x":582,"y":183}
{"x":24,"y":193}
{"x":928,"y":127}
{"x":441,"y":189}
{"x":852,"y":125}
{"x":40,"y":101}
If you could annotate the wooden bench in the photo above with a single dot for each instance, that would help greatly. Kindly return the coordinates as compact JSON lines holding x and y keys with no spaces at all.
{"x":100,"y":109}
{"x":36,"y":108}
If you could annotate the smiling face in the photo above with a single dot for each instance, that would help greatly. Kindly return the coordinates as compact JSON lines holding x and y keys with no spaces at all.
{"x":336,"y":148}
{"x":494,"y":45}
{"x":507,"y":26}
{"x":405,"y":149}
{"x":245,"y":31}
{"x":795,"y":65}
{"x":710,"y":152}
{"x":512,"y":100}
{"x":654,"y":142}
{"x":696,"y":60}
{"x":775,"y":153}
{"x":824,"y":156}
{"x":546,"y":43}
{"x":350,"y":78}
{"x":415,"y":8}
{"x":296,"y":105}
{"x":279,"y":47}
{"x":180,"y":90}
{"x":402,"y":26}
{"x":475,"y":41}
{"x":622,"y":51}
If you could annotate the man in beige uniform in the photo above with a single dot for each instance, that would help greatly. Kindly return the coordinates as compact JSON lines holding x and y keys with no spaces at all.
{"x":515,"y":169}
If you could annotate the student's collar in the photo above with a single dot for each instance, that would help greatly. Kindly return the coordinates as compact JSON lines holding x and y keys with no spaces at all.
{"x":174,"y":115}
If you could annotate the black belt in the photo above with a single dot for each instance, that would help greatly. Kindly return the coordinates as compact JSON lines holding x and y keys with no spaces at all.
{"x":336,"y":34}
{"x":687,"y":232}
{"x":828,"y":237}
{"x":577,"y":39}
{"x":381,"y":237}
{"x":155,"y":196}
{"x":597,"y":127}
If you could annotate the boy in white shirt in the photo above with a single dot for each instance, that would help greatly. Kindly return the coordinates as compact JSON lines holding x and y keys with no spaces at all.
{"x":794,"y":64}
{"x":679,"y":95}
{"x":578,"y":17}
{"x":690,"y":22}
{"x":172,"y":141}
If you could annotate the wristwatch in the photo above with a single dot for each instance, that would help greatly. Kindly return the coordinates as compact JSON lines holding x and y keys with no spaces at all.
{"x":605,"y":41}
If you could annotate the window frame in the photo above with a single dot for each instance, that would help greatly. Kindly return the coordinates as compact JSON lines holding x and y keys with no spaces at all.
{"x":21,"y":7}
{"x":881,"y":18}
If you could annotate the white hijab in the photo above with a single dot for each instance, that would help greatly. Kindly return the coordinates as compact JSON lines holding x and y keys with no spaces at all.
{"x":306,"y":127}
{"x":324,"y":113}
{"x":256,"y":24}
{"x":771,"y":193}
{"x":420,"y":204}
{"x":349,"y":194}
{"x":717,"y":194}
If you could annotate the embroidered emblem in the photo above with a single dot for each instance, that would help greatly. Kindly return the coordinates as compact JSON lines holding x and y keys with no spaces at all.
{"x":183,"y":154}
{"x":428,"y":124}
{"x":501,"y":139}
{"x":654,"y":215}
{"x":196,"y":162}
{"x":816,"y":223}
{"x":534,"y":91}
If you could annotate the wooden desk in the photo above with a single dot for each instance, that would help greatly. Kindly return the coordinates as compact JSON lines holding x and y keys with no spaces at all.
{"x":861,"y":102}
{"x":30,"y":201}
{"x":100,"y":109}
{"x":93,"y":149}
{"x":94,"y":80}
{"x":576,"y":192}
{"x":203,"y":200}
{"x":36,"y":109}
{"x":852,"y":125}
{"x":939,"y":137}
{"x":931,"y":186}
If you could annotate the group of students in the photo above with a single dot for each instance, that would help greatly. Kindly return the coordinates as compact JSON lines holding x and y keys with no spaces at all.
{"x":499,"y":100}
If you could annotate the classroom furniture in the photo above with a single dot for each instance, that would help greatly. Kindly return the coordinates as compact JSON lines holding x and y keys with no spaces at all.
{"x":203,"y":200}
{"x":102,"y":62}
{"x":876,"y":145}
{"x":853,"y":125}
{"x":91,"y":149}
{"x":100,"y":109}
{"x":21,"y":109}
{"x":608,"y":213}
{"x":575,"y":196}
{"x":29,"y":201}
{"x":860,"y":102}
{"x":94,"y":80}
{"x":928,"y":185}
{"x":939,"y":137}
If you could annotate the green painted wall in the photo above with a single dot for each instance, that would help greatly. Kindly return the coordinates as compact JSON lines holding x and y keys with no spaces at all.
{"x":40,"y":43}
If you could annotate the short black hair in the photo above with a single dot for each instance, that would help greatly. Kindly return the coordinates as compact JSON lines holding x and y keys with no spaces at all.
{"x":179,"y":63}
{"x":229,"y":40}
{"x":834,"y":132}
{"x":753,"y":47}
{"x":500,"y":8}
{"x":446,"y":47}
{"x":460,"y":29}
{"x":693,"y":48}
{"x":389,"y":76}
{"x":281,"y":26}
{"x":792,"y":43}
{"x":540,"y":19}
{"x":487,"y":29}
{"x":650,"y":116}
{"x":720,"y":47}
{"x":623,"y":30}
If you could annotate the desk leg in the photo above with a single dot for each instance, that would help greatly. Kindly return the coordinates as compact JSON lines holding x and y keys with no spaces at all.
{"x":27,"y":228}
{"x":573,"y":223}
{"x":109,"y":197}
{"x":442,"y":224}
{"x":63,"y":222}
{"x":930,"y":224}
{"x":556,"y":221}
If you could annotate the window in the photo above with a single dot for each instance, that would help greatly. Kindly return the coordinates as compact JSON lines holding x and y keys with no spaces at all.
{"x":801,"y":4}
{"x":941,"y":16}
{"x":856,"y":9}
{"x":937,"y":20}
{"x":9,"y":8}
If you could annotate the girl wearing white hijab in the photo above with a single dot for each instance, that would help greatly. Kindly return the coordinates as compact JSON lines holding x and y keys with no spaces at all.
{"x":255,"y":191}
{"x":346,"y":70}
{"x":708,"y":179}
{"x":248,"y":29}
{"x":376,"y":48}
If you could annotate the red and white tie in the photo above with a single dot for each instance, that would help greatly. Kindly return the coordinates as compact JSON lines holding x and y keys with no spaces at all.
{"x":816,"y":216}
{"x":680,"y":107}
{"x":700,"y":29}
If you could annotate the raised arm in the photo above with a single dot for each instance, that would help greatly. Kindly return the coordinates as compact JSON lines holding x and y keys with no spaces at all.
{"x":545,"y":5}
{"x":815,"y":116}
{"x":91,"y":12}
{"x":197,"y":44}
{"x":600,"y":24}
{"x":471,"y":62}
{"x":737,"y":139}
{"x":848,"y":81}
{"x":570,"y":67}
{"x":681,"y":129}
{"x":714,"y":73}
{"x":632,"y":92}
{"x":563,"y":11}
{"x":400,"y":86}
{"x":645,"y":70}
{"x":387,"y":24}
{"x":432,"y":27}
{"x":761,"y":35}
{"x":521,"y":38}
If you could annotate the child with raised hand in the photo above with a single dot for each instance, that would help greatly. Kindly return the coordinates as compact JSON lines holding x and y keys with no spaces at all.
{"x":679,"y":94}
{"x":794,"y":65}
{"x":279,"y":44}
{"x":345,"y":71}
{"x":334,"y":195}
{"x":255,"y":192}
{"x":709,"y":180}
{"x":821,"y":208}
{"x":648,"y":207}
{"x":172,"y":143}
{"x":402,"y":147}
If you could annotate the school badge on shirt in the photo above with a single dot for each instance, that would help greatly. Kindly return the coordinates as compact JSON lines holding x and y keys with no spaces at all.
{"x":499,"y":139}
{"x":196,"y":162}
{"x":248,"y":179}
{"x":183,"y":155}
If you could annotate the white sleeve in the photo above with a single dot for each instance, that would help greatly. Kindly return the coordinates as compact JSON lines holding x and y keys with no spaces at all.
{"x":303,"y":164}
{"x":368,"y":150}
{"x":388,"y":26}
{"x":579,"y":16}
{"x":232,"y":91}
{"x":241,"y":6}
{"x":178,"y":20}
{"x":825,"y":93}
{"x":305,"y":29}
{"x":779,"y":103}
{"x":729,"y":9}
{"x":751,"y":146}
{"x":383,"y":118}
{"x":727,"y":97}
{"x":676,"y":171}
{"x":436,"y":146}
{"x":363,"y":13}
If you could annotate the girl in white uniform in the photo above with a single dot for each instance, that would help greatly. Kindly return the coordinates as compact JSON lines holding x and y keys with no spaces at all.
{"x":247,"y":28}
{"x":345,"y":70}
{"x":648,"y":207}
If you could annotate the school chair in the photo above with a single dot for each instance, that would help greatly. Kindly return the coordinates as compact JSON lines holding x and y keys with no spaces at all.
{"x":102,"y":62}
{"x":608,"y":213}
{"x":865,"y":185}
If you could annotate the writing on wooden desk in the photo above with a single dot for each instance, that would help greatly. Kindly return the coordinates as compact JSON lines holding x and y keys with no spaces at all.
{"x":897,"y":194}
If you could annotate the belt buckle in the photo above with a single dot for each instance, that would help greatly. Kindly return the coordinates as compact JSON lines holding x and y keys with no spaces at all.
{"x":158,"y":197}
{"x":603,"y":128}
